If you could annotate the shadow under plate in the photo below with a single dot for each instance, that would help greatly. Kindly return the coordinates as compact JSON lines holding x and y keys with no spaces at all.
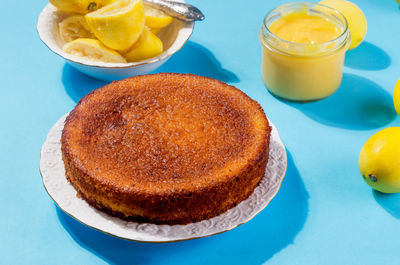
{"x":256,"y":242}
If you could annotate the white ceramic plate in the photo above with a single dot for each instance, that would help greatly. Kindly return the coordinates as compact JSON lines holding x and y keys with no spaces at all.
{"x":64,"y":195}
{"x":174,"y":36}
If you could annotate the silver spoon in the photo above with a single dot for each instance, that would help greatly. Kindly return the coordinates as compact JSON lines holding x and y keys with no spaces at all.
{"x":177,"y":10}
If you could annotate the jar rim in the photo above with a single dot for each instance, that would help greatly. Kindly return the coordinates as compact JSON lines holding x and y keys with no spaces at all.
{"x":342,"y":39}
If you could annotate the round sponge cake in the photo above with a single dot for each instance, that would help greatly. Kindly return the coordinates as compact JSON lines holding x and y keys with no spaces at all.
{"x":165,"y":148}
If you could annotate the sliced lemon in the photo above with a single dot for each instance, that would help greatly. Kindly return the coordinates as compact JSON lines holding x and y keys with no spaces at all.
{"x":93,"y":50}
{"x":78,"y":6}
{"x":156,"y":30}
{"x":74,"y":27}
{"x":119,"y":24}
{"x":148,"y":46}
{"x":156,"y":19}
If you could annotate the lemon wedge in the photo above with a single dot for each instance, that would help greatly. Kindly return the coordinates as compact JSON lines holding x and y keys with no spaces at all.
{"x":78,"y":6}
{"x":74,"y":27}
{"x":156,"y":19}
{"x":93,"y":50}
{"x":156,"y":30}
{"x":148,"y":46}
{"x":119,"y":24}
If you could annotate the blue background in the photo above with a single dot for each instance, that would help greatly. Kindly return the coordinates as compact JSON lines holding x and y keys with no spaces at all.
{"x":324,"y":212}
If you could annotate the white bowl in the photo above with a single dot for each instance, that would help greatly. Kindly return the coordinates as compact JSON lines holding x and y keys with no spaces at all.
{"x":174,"y":36}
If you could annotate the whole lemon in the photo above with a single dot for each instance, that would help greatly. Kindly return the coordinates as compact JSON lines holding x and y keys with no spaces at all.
{"x":379,"y":160}
{"x":396,"y":97}
{"x":355,"y":18}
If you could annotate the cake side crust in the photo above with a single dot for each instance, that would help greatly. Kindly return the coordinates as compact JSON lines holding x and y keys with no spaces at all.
{"x":177,"y":208}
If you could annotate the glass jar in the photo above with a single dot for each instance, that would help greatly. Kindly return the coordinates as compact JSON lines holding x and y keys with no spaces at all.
{"x":302,"y":71}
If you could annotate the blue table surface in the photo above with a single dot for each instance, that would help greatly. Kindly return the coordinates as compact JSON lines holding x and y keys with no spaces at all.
{"x":324,"y":213}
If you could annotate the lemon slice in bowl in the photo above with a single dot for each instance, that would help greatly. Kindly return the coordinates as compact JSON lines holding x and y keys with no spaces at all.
{"x":74,"y":27}
{"x":93,"y":50}
{"x":119,"y":24}
{"x":78,"y":6}
{"x":148,"y":46}
{"x":156,"y":19}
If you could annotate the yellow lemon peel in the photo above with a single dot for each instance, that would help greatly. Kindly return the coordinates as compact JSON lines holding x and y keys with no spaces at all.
{"x":93,"y":50}
{"x":119,"y":24}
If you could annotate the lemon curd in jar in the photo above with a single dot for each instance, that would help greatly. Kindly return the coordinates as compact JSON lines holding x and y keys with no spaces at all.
{"x":303,"y":50}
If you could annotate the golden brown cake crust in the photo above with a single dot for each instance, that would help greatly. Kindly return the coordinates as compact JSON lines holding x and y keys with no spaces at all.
{"x":165,"y":148}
